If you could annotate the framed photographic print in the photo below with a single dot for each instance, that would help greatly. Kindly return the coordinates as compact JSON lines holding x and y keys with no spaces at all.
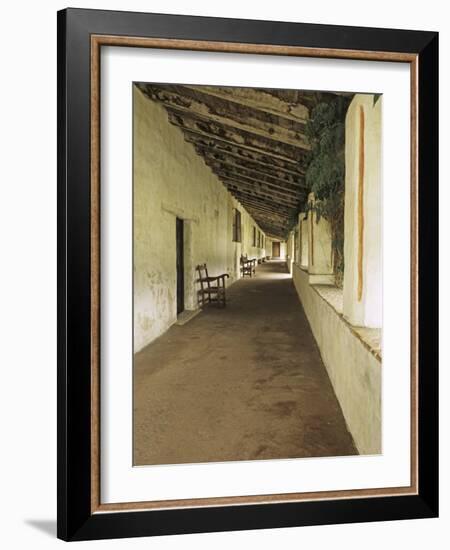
{"x":247,"y":242}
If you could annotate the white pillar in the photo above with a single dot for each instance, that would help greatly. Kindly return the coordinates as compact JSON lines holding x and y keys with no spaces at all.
{"x":290,"y":251}
{"x":304,"y":239}
{"x":362,"y":218}
{"x":320,"y":253}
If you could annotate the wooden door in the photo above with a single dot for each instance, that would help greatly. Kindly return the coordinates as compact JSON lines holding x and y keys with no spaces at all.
{"x":275,"y":249}
{"x":180,"y":265}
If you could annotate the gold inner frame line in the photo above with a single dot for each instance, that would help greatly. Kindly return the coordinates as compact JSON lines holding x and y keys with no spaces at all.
{"x":97,"y":41}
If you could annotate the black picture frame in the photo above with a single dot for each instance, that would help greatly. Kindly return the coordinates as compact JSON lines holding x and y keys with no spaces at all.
{"x":75,"y":518}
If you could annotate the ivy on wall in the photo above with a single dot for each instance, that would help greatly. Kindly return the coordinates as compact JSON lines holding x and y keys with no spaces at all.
{"x":325,"y":174}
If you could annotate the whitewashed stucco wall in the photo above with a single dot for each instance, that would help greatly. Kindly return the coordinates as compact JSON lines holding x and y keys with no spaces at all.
{"x":290,"y":252}
{"x":268,"y":246}
{"x":171,"y":180}
{"x":353,"y":370}
{"x":367,"y":310}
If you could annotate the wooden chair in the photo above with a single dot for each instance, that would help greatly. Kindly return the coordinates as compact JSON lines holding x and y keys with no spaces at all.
{"x":248,"y":267}
{"x":212,"y":289}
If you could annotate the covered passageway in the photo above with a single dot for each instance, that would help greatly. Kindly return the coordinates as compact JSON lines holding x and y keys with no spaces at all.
{"x":289,"y":365}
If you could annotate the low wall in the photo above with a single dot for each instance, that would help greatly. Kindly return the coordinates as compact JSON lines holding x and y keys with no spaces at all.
{"x":353,"y":369}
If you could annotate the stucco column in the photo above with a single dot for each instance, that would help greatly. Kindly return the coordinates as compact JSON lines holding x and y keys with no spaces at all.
{"x":362,"y":219}
{"x":290,"y":252}
{"x":320,"y":252}
{"x":303,"y":240}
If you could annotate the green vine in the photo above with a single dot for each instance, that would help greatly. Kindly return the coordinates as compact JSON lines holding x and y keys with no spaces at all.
{"x":325,"y":175}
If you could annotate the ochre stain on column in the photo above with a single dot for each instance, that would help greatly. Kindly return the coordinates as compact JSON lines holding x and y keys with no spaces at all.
{"x":361,"y":204}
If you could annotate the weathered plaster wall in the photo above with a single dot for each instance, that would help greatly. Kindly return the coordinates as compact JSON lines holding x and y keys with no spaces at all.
{"x":171,"y":180}
{"x":354,"y":371}
{"x":290,"y":251}
{"x":247,"y":235}
{"x":320,"y":265}
{"x":268,"y":247}
{"x":366,"y":309}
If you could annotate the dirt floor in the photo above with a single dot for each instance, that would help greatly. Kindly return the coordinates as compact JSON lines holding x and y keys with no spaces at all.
{"x":241,"y":383}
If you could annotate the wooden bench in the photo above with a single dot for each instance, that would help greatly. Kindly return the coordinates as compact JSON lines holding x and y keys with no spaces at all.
{"x":212,"y":289}
{"x":248,"y":267}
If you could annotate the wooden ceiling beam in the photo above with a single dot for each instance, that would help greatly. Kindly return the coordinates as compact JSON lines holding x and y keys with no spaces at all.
{"x":263,"y":203}
{"x":241,"y":151}
{"x":282,"y":225}
{"x":189,"y":121}
{"x":260,"y":98}
{"x":293,"y":190}
{"x":272,"y":230}
{"x":229,"y":113}
{"x":263,"y":221}
{"x":232,"y":159}
{"x":270,"y":192}
{"x":261,"y":193}
{"x":248,"y":202}
{"x":268,"y":214}
{"x":307,"y":98}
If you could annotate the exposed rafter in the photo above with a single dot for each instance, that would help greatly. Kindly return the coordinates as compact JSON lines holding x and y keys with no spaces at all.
{"x":230,"y":159}
{"x":235,"y":136}
{"x":254,"y":140}
{"x":242,"y":152}
{"x":289,"y":187}
{"x":261,"y":99}
{"x":230,"y":113}
{"x":262,"y":202}
{"x":268,"y":194}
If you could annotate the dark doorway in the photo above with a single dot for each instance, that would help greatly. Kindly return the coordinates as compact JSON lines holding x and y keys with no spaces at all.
{"x":180,"y":265}
{"x":275,"y":249}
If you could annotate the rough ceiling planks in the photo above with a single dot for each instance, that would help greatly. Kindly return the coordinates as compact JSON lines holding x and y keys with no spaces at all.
{"x":254,"y":140}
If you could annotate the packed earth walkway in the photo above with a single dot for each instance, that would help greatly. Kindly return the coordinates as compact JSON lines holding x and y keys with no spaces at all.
{"x":244,"y":382}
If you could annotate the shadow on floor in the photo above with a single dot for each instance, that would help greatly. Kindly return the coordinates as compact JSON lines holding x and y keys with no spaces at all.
{"x":46,"y":526}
